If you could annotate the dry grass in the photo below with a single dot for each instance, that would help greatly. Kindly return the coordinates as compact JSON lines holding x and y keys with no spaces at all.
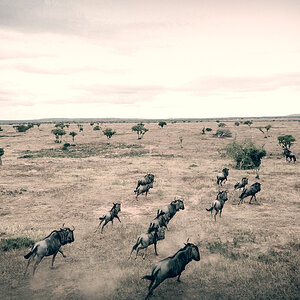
{"x":252,"y":252}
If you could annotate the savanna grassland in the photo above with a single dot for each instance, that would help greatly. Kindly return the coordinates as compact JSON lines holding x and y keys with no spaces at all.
{"x":252,"y":252}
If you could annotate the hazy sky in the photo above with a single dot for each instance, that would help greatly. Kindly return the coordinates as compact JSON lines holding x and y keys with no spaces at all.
{"x":149,"y":58}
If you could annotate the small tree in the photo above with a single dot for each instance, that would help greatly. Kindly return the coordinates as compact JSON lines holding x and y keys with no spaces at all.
{"x":66,"y":146}
{"x":108,"y":132}
{"x":58,"y":134}
{"x":61,"y":125}
{"x":1,"y":153}
{"x":38,"y":125}
{"x":262,"y":131}
{"x":237,"y":123}
{"x":21,"y":128}
{"x":221,"y":124}
{"x":286,"y":141}
{"x":268,"y":127}
{"x":246,"y":155}
{"x":73,"y":134}
{"x":208,"y":129}
{"x":97,"y":127}
{"x":181,"y":140}
{"x":162,"y":124}
{"x":140,"y":130}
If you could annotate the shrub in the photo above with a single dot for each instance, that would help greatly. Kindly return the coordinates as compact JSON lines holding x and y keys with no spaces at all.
{"x":58,"y":134}
{"x":97,"y":127}
{"x":140,"y":130}
{"x":245,"y":154}
{"x":21,"y":128}
{"x":286,"y":141}
{"x":108,"y":132}
{"x":249,"y":123}
{"x":221,"y":125}
{"x":65,"y":146}
{"x":162,"y":124}
{"x":61,"y":125}
{"x":223,"y":133}
{"x":1,"y":153}
{"x":237,"y":123}
{"x":1,"y":128}
{"x":208,"y":129}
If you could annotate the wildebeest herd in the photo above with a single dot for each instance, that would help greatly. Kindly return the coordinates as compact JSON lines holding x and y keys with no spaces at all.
{"x":169,"y":267}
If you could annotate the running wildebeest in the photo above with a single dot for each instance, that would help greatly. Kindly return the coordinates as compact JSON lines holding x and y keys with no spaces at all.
{"x":250,"y":191}
{"x":222,"y":176}
{"x":289,"y":155}
{"x":241,"y":184}
{"x":109,"y":216}
{"x":147,"y":239}
{"x":218,"y":204}
{"x":50,"y":245}
{"x":171,"y":209}
{"x":143,"y":189}
{"x":157,"y":222}
{"x":172,"y":266}
{"x":148,"y":178}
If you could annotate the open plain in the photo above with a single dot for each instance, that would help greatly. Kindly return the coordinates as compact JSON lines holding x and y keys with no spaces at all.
{"x":252,"y":252}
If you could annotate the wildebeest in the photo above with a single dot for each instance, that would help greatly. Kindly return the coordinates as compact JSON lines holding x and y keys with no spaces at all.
{"x":50,"y":245}
{"x":109,"y":216}
{"x":289,"y":155}
{"x":172,"y":266}
{"x":143,"y":189}
{"x":147,"y":239}
{"x":222,"y":176}
{"x":250,"y":191}
{"x":171,"y":209}
{"x":148,"y":178}
{"x":159,"y":221}
{"x":241,"y":184}
{"x":218,"y":204}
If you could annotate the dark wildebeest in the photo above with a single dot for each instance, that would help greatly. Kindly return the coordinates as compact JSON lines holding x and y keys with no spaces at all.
{"x":109,"y":216}
{"x":222,"y":176}
{"x":218,"y":204}
{"x":172,"y":266}
{"x":242,"y":184}
{"x":250,"y":191}
{"x":143,"y":189}
{"x":157,"y":222}
{"x":50,"y":245}
{"x":147,"y":239}
{"x":149,"y":178}
{"x":289,"y":155}
{"x":171,"y":209}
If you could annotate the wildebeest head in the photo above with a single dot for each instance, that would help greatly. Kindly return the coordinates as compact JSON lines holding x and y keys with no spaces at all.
{"x":225,"y":171}
{"x":149,"y":178}
{"x":66,"y":235}
{"x":257,"y":186}
{"x":222,"y":196}
{"x":193,"y":251}
{"x":117,"y":207}
{"x":178,"y":204}
{"x":244,"y":181}
{"x":161,"y":233}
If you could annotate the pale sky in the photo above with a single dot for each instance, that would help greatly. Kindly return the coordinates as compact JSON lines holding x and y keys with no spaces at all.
{"x":149,"y":58}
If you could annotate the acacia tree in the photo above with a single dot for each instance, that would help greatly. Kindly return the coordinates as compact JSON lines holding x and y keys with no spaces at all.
{"x":1,"y":153}
{"x":162,"y":124}
{"x":58,"y":134}
{"x":108,"y":132}
{"x":73,"y":134}
{"x":286,"y":141}
{"x":140,"y":130}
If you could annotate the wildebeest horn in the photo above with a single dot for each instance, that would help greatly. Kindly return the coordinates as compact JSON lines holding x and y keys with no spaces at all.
{"x":62,"y":226}
{"x":73,"y":228}
{"x":187,"y":241}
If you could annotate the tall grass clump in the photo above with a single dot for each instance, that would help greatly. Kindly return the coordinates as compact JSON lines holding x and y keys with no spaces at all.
{"x":15,"y":243}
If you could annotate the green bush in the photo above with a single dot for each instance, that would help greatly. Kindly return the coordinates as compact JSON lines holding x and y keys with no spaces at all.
{"x":162,"y":124}
{"x":1,"y":128}
{"x":66,"y":146}
{"x":237,"y":123}
{"x":208,"y":129}
{"x":221,"y":125}
{"x":97,"y":127}
{"x":245,"y":154}
{"x":108,"y":132}
{"x":223,"y":133}
{"x":286,"y":141}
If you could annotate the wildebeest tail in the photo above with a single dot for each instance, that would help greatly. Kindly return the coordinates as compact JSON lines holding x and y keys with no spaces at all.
{"x":148,"y":277}
{"x":30,"y":253}
{"x":210,"y":209}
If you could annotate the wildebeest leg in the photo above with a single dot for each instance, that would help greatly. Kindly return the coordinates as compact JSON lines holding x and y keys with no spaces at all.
{"x":178,"y":278}
{"x":145,"y":251}
{"x":220,"y":212}
{"x":155,"y":249}
{"x":29,"y":261}
{"x":151,"y":289}
{"x":137,"y":250}
{"x":250,"y":199}
{"x":60,"y":251}
{"x":99,"y":225}
{"x":53,"y":259}
{"x":103,"y":226}
{"x":118,"y":219}
{"x":39,"y":258}
{"x":216,"y":215}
